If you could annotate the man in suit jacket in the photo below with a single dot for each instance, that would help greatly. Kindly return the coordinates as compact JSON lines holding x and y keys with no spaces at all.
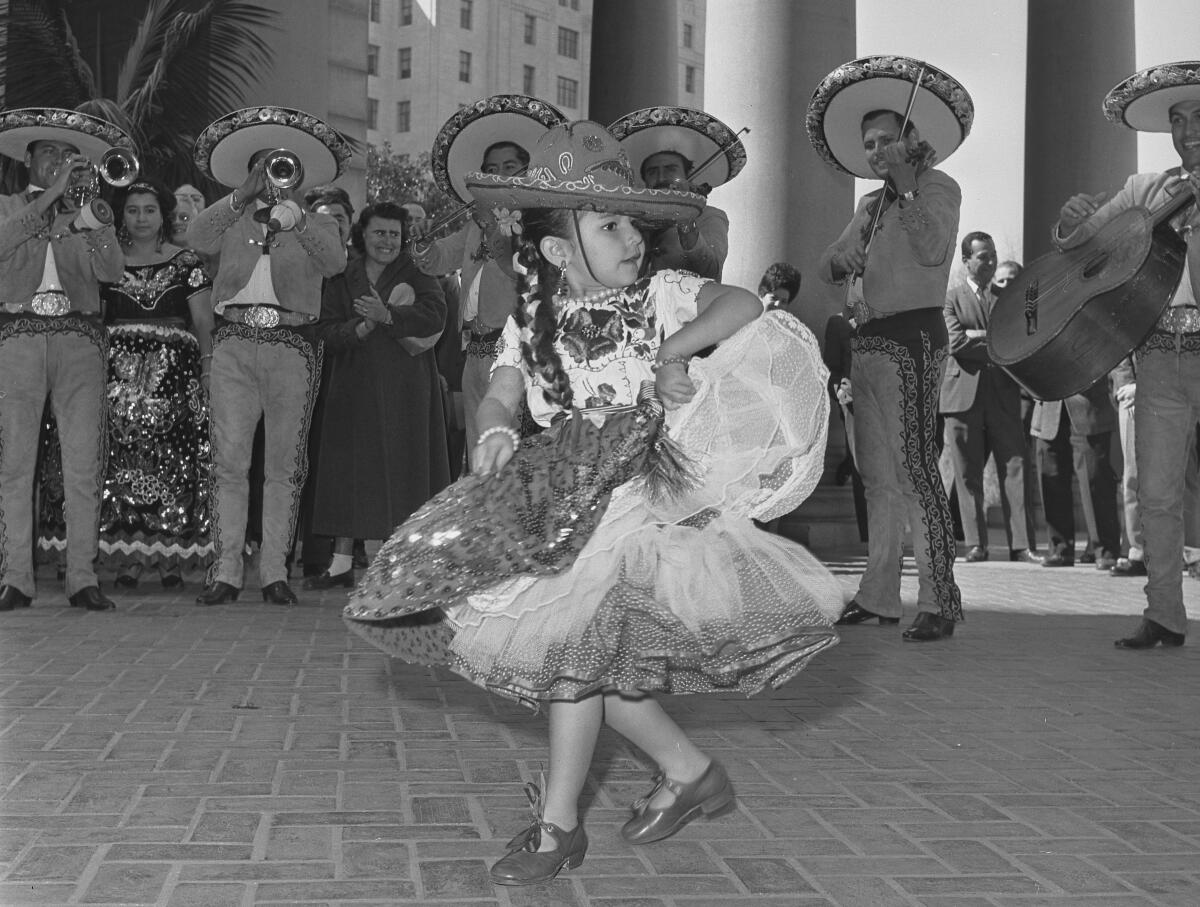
{"x":982,"y":408}
{"x":1074,"y":437}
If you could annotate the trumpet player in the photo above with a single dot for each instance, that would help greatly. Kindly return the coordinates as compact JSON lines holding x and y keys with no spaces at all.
{"x":56,"y":246}
{"x":266,"y":362}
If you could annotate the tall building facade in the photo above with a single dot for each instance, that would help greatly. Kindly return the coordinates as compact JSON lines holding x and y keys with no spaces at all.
{"x":427,"y":58}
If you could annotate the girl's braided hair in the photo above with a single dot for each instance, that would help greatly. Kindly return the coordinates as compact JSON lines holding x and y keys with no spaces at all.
{"x":536,"y":311}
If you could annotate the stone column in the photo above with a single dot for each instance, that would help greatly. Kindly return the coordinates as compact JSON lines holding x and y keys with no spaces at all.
{"x":1077,"y":51}
{"x":635,"y":55}
{"x":763,"y":58}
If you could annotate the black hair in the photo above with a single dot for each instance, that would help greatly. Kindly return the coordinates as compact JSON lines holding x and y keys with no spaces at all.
{"x":146,"y":186}
{"x":684,"y":159}
{"x":320,"y":196}
{"x":973,"y":237}
{"x":898,"y":117}
{"x":780,"y":274}
{"x":537,"y":308}
{"x":522,"y":154}
{"x":384,"y":210}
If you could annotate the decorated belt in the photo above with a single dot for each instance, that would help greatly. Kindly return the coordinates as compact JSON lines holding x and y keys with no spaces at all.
{"x":264,"y":316}
{"x":52,"y":303}
{"x":482,"y":345}
{"x":1184,"y":319}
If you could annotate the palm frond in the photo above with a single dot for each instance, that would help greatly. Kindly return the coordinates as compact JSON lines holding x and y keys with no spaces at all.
{"x":40,"y":62}
{"x":145,"y":48}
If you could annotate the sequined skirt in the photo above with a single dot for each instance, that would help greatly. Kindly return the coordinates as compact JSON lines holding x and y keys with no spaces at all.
{"x":682,"y":595}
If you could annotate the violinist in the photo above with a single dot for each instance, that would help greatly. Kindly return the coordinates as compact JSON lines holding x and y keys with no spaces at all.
{"x":699,"y":245}
{"x":1163,"y":98}
{"x":897,"y":276}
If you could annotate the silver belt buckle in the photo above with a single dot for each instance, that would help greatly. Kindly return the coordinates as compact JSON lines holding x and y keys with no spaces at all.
{"x":52,"y":302}
{"x":1181,"y":320}
{"x":262,"y":316}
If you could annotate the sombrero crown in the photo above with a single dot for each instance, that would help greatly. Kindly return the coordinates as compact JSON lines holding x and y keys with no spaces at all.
{"x":225,"y":147}
{"x":1144,"y":100}
{"x":942,"y":109}
{"x":581,"y":166}
{"x":90,"y":134}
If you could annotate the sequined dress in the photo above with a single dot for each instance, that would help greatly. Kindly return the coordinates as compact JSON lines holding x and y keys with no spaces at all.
{"x":155,"y":507}
{"x":562,"y":575}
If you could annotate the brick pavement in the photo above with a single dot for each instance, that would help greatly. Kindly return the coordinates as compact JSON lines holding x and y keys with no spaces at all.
{"x":170,"y":755}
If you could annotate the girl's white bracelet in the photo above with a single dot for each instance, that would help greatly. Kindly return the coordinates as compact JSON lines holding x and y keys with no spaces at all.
{"x":500,"y":430}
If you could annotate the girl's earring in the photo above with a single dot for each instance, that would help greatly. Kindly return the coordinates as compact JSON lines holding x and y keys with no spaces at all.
{"x":564,"y":289}
{"x":123,"y":236}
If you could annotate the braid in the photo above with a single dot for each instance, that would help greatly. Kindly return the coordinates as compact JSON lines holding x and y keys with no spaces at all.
{"x":536,"y":310}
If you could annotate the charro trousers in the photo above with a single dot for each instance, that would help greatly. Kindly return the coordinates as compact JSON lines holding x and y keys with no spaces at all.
{"x":896,"y":379}
{"x":1165,"y":416}
{"x":272,"y":374}
{"x":63,"y":358}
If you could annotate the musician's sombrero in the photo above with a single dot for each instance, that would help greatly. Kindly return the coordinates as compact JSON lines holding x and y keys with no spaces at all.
{"x":696,"y":135}
{"x":942,"y":111}
{"x":225,"y":147}
{"x":581,"y":166}
{"x":459,"y":146}
{"x":1144,"y":100}
{"x":91,"y":135}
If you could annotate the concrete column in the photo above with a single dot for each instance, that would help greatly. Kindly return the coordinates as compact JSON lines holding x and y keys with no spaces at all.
{"x":763,"y":58}
{"x":1077,"y":51}
{"x":635,"y":56}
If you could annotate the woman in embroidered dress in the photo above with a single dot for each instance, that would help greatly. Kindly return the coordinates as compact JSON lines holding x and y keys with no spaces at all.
{"x":154,"y":511}
{"x":603,"y":560}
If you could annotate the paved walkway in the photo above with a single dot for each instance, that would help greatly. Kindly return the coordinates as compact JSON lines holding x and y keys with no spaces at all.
{"x":246,"y":754}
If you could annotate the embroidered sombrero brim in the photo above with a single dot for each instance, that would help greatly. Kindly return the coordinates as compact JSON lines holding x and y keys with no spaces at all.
{"x":459,"y":145}
{"x":1144,"y":100}
{"x":225,"y":147}
{"x":536,"y":190}
{"x":696,"y":135}
{"x":91,"y":135}
{"x":942,"y":111}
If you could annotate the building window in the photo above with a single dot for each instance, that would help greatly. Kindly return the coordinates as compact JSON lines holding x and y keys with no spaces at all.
{"x":404,"y":63}
{"x":372,"y":60}
{"x":573,"y":4}
{"x":689,"y":79}
{"x":530,"y":29}
{"x":568,"y":92}
{"x":372,"y":113}
{"x":405,"y":11}
{"x":403,"y":116}
{"x":464,"y":66}
{"x":687,"y":35}
{"x":464,"y":14}
{"x":373,"y":10}
{"x":527,"y":81}
{"x":568,"y":43}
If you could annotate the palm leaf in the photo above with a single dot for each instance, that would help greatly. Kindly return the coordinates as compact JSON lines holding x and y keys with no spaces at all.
{"x":40,"y":62}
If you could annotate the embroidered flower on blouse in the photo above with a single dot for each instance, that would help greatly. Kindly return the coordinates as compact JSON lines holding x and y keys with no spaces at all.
{"x":509,"y":222}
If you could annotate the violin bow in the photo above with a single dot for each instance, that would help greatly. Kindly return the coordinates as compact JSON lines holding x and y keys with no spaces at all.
{"x":708,"y":161}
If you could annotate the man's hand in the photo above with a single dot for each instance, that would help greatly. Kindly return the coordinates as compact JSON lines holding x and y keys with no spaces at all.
{"x":1079,"y":208}
{"x":901,"y":171}
{"x":850,"y":260}
{"x":71,"y":165}
{"x":1125,"y":394}
{"x":674,"y":386}
{"x":844,"y":392}
{"x":255,"y":183}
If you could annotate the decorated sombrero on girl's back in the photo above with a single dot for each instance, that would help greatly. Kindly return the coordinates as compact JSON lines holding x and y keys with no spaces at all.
{"x":459,"y":146}
{"x":91,"y":135}
{"x":581,"y":166}
{"x":1144,"y":100}
{"x":225,"y":147}
{"x":942,"y":111}
{"x":696,"y":135}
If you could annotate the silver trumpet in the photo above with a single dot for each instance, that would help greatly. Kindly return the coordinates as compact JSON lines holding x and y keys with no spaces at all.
{"x":283,"y":169}
{"x":118,"y":167}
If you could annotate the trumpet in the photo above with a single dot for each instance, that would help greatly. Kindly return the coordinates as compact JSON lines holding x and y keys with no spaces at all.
{"x":118,"y":167}
{"x":283,"y":169}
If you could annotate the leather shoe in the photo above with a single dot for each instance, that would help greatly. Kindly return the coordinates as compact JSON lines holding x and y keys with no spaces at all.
{"x":1105,"y":562}
{"x":710,"y":794}
{"x":218,"y":594}
{"x":857,"y":614}
{"x":1128,"y":567}
{"x":11,"y":598}
{"x":1088,"y":557}
{"x":326,"y":581}
{"x":1024,"y":556}
{"x":928,"y":627}
{"x":1148,"y":635}
{"x":524,"y":865}
{"x":976,"y":554}
{"x":92,"y":598}
{"x":279,"y":593}
{"x":1058,"y":559}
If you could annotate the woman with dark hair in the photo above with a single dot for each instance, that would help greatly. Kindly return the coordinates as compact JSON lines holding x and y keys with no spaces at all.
{"x":383,"y":438}
{"x":155,"y":509}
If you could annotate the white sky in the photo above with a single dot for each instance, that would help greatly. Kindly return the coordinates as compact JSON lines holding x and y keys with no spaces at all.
{"x":982,"y":44}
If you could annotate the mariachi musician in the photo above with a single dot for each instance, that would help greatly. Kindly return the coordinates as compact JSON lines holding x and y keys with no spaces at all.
{"x":667,"y":147}
{"x":493,"y":135}
{"x":266,"y":362}
{"x":889,"y":117}
{"x":1163,"y":98}
{"x":56,"y":246}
